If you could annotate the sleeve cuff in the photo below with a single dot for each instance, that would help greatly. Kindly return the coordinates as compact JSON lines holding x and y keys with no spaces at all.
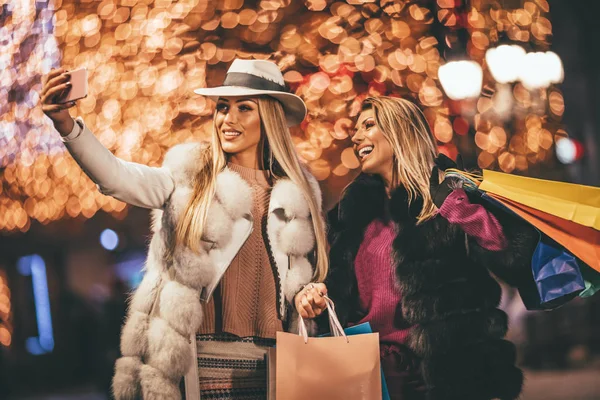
{"x":75,"y":132}
{"x":452,"y":201}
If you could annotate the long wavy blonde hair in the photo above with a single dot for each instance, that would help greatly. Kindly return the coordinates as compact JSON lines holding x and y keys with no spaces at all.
{"x":279,"y":155}
{"x":404,"y":126}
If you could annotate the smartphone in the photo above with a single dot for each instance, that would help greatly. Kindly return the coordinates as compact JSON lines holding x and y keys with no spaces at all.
{"x":79,"y":86}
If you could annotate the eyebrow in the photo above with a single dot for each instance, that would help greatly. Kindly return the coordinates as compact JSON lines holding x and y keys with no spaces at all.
{"x":363,"y":123}
{"x":238,"y":101}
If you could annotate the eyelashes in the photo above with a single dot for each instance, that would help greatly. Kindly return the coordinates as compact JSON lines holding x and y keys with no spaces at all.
{"x":223,"y":107}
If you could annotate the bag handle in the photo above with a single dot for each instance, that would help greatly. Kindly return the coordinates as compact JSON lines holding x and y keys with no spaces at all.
{"x":334,"y":322}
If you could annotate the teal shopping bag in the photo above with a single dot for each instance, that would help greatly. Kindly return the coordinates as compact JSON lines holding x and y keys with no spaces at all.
{"x":361,"y":330}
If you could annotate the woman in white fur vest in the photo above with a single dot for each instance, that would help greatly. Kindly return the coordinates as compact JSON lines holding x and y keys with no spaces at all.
{"x":237,"y":232}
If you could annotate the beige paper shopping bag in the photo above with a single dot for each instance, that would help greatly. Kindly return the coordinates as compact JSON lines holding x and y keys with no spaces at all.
{"x":328,"y":368}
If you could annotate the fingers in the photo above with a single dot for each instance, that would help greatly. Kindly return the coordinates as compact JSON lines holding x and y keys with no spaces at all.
{"x":299,"y":307}
{"x":310,"y":302}
{"x":302,"y":306}
{"x":55,"y":72}
{"x":50,"y":79}
{"x":52,"y":108}
{"x":53,"y":92}
{"x":302,"y":312}
{"x":321,"y":288}
{"x":52,"y":74}
{"x":63,"y":78}
{"x":51,"y":82}
{"x":316,"y":298}
{"x":307,"y":307}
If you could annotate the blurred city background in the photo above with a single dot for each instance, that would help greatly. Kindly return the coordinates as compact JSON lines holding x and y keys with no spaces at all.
{"x":512,"y":85}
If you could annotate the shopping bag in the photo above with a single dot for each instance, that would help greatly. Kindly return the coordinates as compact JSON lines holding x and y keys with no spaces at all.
{"x":327,"y":368}
{"x":577,"y":203}
{"x":557,"y":277}
{"x":555,"y":271}
{"x":359,"y":330}
{"x":271,"y":358}
{"x":581,"y":241}
{"x":591,"y":278}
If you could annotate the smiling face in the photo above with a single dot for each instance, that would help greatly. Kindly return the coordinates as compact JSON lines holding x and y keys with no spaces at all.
{"x":371,"y":147}
{"x":238,"y":125}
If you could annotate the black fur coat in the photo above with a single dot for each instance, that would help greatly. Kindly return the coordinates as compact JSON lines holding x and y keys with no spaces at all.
{"x":448,"y":296}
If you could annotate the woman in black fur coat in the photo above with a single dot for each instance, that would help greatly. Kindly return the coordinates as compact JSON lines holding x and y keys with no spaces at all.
{"x":411,"y":256}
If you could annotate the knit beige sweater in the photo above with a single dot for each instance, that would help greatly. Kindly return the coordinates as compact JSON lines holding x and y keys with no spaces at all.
{"x":245,"y":304}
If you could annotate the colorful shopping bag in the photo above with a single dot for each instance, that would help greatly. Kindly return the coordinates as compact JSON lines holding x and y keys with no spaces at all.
{"x":591,"y":278}
{"x":360,"y":330}
{"x":555,"y":272}
{"x":557,"y":277}
{"x":327,"y":368}
{"x":577,"y":203}
{"x":581,"y":241}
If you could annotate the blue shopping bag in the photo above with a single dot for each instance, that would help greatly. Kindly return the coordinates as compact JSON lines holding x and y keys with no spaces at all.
{"x":556,"y":274}
{"x":361,"y":330}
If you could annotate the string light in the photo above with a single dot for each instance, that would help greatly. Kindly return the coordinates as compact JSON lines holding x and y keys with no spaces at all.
{"x":145,"y":57}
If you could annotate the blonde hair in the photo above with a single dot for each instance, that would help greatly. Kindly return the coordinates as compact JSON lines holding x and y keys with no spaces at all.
{"x":280,"y":154}
{"x":404,"y":126}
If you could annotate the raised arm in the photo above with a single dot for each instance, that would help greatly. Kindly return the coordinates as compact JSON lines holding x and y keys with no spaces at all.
{"x":132,"y":183}
{"x":501,"y":242}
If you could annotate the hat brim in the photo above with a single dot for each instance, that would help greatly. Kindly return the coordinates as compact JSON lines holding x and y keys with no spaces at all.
{"x":293,"y":106}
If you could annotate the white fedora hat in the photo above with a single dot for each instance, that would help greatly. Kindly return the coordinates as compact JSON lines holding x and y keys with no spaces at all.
{"x":255,"y":78}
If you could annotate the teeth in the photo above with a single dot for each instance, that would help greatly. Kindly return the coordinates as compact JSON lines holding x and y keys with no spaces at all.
{"x":365,"y":151}
{"x":232,"y":133}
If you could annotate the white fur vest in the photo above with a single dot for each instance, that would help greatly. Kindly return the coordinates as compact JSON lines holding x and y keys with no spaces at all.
{"x":158,"y":338}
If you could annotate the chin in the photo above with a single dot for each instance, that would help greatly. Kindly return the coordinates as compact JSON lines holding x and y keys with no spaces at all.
{"x":367,"y":168}
{"x":231,"y":148}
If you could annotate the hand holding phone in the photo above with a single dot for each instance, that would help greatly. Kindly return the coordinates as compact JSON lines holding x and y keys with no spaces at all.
{"x":78,"y":88}
{"x":60,"y":90}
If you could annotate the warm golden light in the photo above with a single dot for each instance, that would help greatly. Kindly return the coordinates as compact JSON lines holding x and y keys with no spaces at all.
{"x":144,"y":59}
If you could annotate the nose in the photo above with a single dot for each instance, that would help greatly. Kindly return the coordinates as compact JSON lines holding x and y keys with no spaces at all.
{"x":358,"y":137}
{"x":230,"y":117}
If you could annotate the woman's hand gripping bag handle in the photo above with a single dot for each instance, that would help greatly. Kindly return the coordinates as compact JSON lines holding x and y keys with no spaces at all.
{"x":334,"y":323}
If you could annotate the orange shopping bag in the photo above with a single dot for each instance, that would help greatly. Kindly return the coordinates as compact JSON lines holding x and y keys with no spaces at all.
{"x":582,"y":241}
{"x":327,"y":368}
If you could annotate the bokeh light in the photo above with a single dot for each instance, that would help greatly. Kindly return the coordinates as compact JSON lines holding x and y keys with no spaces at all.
{"x":145,"y":57}
{"x":5,"y":311}
{"x":109,"y":239}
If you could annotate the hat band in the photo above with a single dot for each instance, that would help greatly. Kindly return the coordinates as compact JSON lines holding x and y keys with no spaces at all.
{"x":252,"y":82}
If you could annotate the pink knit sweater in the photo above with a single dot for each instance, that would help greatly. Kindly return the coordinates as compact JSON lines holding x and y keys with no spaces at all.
{"x":374,"y":270}
{"x":380,"y":298}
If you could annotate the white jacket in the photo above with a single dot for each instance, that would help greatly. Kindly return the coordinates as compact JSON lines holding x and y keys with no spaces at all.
{"x":158,"y":341}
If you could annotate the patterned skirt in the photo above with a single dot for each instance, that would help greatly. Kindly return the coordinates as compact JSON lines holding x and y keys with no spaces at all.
{"x":230,"y":367}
